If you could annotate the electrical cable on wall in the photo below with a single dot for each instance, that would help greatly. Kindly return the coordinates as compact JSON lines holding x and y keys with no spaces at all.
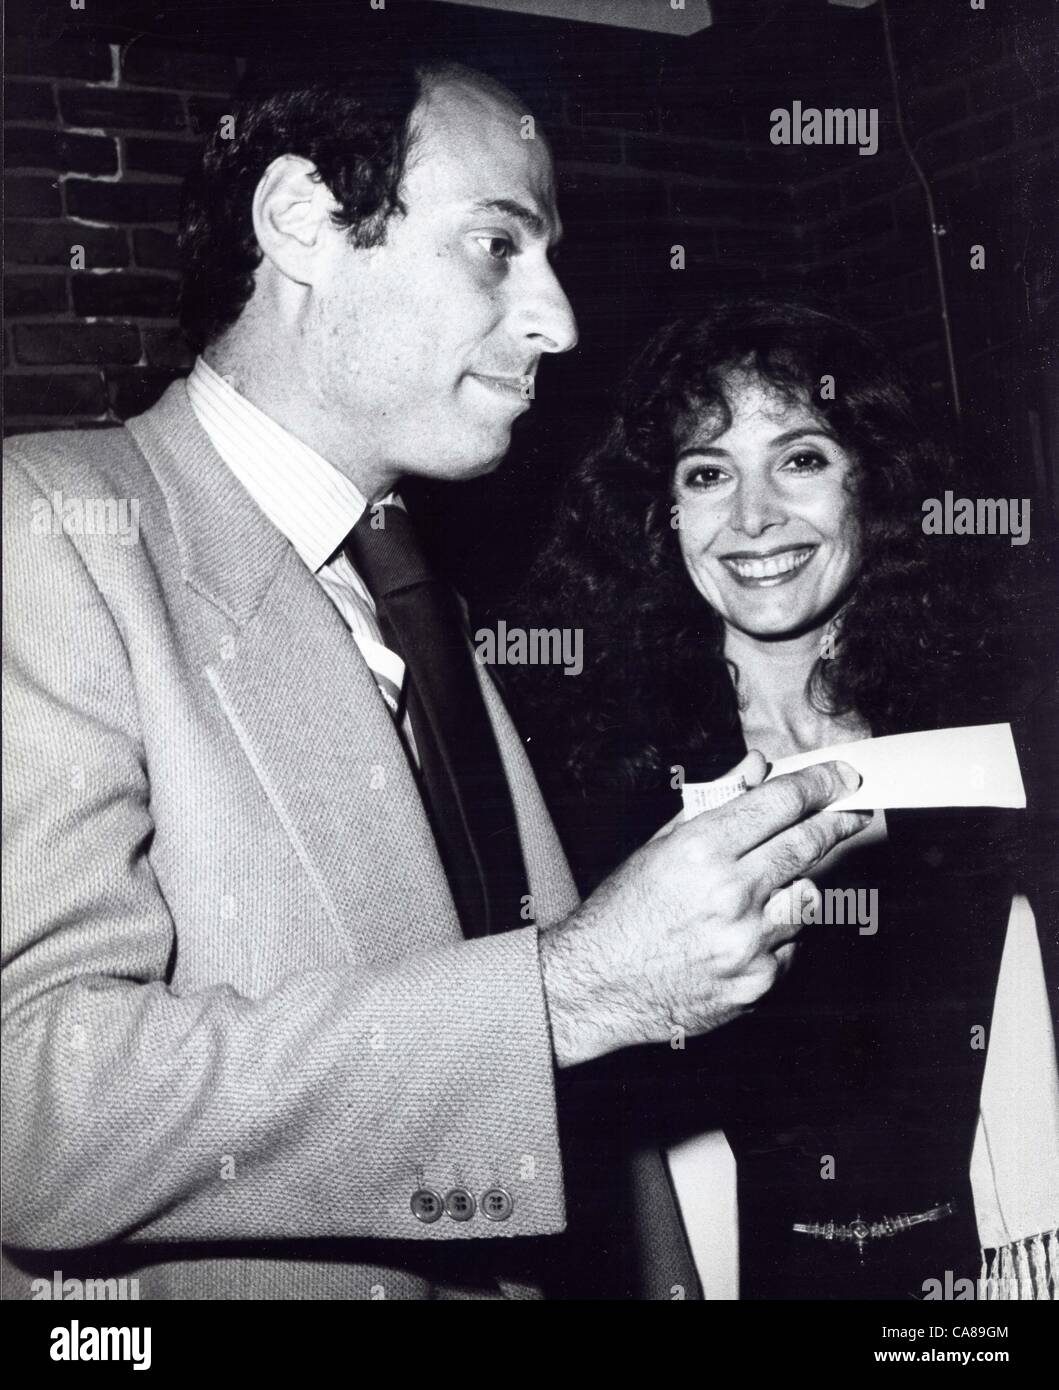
{"x":936,"y":230}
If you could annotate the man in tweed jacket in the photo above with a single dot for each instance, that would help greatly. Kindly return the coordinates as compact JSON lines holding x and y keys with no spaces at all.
{"x":246,"y":1042}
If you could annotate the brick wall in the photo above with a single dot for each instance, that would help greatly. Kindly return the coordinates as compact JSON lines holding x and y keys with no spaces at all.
{"x":97,"y":138}
{"x":100,"y":133}
{"x":658,"y":143}
{"x":979,"y":101}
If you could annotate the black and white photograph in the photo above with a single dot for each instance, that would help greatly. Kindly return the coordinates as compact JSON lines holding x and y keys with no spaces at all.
{"x":530,"y":701}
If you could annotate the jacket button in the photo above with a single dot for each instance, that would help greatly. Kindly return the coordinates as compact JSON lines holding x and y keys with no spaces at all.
{"x":427,"y":1205}
{"x":497,"y":1204}
{"x":460,"y":1204}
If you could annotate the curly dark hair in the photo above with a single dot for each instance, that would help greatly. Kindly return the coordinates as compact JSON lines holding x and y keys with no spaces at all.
{"x":356,"y":128}
{"x":655,"y":682}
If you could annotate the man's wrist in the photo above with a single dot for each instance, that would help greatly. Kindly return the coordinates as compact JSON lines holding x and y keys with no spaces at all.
{"x":583,"y":1022}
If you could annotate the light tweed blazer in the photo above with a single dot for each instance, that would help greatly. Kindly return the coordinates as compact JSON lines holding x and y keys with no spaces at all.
{"x":241,"y":1025}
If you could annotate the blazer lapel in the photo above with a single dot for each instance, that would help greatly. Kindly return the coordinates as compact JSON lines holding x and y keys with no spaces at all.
{"x":302,"y":701}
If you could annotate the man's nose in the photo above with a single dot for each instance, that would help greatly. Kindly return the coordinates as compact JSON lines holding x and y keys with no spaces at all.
{"x":546,"y":317}
{"x":755,"y":508}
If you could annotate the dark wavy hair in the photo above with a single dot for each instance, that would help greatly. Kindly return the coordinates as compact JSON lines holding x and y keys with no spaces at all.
{"x":655,"y":683}
{"x":357,"y":130}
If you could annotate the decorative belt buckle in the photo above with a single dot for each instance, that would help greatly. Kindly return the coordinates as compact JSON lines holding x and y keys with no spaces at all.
{"x":860,"y":1231}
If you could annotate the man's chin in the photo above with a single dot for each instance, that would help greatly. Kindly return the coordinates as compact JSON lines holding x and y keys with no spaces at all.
{"x":472,"y":455}
{"x":491,"y":465}
{"x":463,"y":470}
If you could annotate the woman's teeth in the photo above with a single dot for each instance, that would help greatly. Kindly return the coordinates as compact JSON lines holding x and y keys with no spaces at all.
{"x":770,"y":566}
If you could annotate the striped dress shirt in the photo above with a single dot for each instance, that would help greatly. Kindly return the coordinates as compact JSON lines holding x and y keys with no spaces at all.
{"x":311,"y":503}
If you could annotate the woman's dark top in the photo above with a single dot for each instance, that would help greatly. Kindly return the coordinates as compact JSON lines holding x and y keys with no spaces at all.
{"x":851,"y":1092}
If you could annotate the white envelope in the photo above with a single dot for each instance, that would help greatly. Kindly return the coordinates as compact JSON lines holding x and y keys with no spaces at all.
{"x":972,"y":766}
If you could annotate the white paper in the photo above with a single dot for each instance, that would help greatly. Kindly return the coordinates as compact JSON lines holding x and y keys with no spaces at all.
{"x":972,"y":766}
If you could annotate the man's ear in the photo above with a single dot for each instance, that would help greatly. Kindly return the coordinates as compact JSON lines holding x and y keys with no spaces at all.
{"x":292,"y":211}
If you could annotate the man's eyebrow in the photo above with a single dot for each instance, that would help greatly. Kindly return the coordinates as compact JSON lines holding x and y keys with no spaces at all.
{"x":532,"y":221}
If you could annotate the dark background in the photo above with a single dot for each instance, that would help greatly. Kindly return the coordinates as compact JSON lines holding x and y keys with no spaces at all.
{"x":659,"y":140}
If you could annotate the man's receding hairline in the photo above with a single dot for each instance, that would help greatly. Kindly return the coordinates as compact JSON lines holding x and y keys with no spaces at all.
{"x":433,"y":76}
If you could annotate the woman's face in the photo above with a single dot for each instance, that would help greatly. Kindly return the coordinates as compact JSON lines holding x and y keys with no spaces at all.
{"x":767,"y":525}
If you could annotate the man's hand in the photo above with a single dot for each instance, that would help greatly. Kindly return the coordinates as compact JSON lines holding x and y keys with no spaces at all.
{"x":680,"y":936}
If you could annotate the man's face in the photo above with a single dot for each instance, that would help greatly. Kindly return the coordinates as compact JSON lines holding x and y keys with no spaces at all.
{"x":424,"y":345}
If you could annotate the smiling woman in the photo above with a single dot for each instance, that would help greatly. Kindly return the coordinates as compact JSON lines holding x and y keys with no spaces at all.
{"x":725,"y":460}
{"x":746,"y":556}
{"x":766,"y":504}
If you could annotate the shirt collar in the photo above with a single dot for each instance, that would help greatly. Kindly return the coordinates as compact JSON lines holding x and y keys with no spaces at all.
{"x":302,"y":494}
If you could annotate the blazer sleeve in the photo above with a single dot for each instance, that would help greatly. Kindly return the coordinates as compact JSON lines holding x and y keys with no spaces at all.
{"x":136,"y":1112}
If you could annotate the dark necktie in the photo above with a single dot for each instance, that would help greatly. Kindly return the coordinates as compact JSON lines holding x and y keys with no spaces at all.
{"x":461,"y":775}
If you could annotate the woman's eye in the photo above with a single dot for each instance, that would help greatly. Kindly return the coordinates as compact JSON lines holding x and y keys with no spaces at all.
{"x":704,"y":477}
{"x":806,"y":463}
{"x":497,"y":248}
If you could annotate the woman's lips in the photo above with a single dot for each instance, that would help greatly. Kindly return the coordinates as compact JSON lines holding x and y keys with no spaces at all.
{"x":766,"y":571}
